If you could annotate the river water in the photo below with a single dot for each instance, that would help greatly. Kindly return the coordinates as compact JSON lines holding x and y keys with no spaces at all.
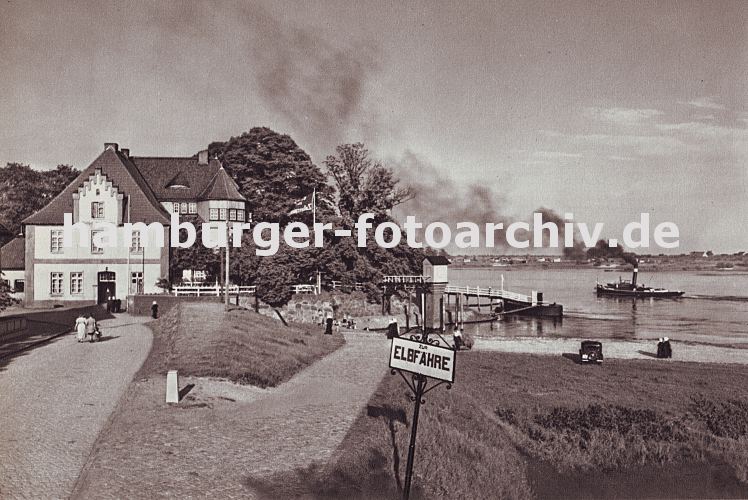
{"x":714,"y":309}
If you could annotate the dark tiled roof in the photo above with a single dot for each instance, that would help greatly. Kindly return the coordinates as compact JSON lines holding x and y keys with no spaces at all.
{"x":12,"y":254}
{"x":119,"y":169}
{"x":438,"y":260}
{"x":222,"y":187}
{"x":173,"y":179}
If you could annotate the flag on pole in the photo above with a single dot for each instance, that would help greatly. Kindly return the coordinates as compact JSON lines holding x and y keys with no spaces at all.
{"x":306,"y":204}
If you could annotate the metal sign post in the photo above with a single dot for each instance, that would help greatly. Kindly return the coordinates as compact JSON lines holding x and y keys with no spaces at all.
{"x":423,"y":358}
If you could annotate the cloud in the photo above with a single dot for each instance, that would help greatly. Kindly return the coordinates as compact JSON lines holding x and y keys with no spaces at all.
{"x":621,"y":158}
{"x":622,"y":116}
{"x":554,"y":155}
{"x":641,"y":145}
{"x":705,"y":103}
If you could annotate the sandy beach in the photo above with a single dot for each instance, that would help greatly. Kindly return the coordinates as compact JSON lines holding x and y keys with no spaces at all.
{"x":617,"y":349}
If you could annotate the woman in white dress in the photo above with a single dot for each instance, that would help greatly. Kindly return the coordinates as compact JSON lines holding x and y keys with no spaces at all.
{"x":80,"y":328}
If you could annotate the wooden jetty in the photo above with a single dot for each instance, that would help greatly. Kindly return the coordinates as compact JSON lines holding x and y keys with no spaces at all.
{"x":498,"y":300}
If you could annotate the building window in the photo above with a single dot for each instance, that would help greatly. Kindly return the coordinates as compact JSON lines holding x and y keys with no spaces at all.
{"x":97,"y":209}
{"x":222,"y":215}
{"x":232,"y":214}
{"x":55,"y":284}
{"x":76,"y":283}
{"x":94,"y":247}
{"x":183,"y":208}
{"x":136,"y":282}
{"x":240,"y":216}
{"x":135,"y":243}
{"x":55,"y":242}
{"x":213,"y":214}
{"x":19,"y":285}
{"x":193,"y":208}
{"x":175,"y":208}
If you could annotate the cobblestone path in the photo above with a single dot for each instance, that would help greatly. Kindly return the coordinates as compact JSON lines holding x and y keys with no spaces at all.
{"x":208,"y":447}
{"x":54,"y":400}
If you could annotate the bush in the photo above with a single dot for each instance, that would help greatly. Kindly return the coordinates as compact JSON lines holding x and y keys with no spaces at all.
{"x":724,"y":418}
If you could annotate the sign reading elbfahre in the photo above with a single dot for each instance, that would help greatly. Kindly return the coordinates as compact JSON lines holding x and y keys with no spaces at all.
{"x":425,"y":359}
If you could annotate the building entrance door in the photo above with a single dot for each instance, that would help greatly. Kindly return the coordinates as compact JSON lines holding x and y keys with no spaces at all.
{"x":107,"y":286}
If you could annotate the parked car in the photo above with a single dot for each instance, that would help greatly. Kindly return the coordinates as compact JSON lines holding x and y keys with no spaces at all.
{"x":591,"y":352}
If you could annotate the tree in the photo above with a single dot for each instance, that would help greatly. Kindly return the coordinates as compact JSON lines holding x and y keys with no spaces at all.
{"x":272,"y":171}
{"x":195,"y":257}
{"x":363,"y":185}
{"x":5,"y":298}
{"x":24,"y":190}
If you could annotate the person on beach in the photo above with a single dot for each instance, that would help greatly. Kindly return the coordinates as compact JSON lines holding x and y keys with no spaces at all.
{"x":91,"y":329}
{"x":392,"y":329}
{"x":664,"y":350}
{"x":80,"y":328}
{"x":667,"y":350}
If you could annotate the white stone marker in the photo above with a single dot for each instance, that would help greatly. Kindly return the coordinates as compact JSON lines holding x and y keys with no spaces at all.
{"x":172,"y":387}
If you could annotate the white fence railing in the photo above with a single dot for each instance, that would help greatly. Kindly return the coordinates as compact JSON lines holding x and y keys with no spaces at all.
{"x":304,"y":289}
{"x":211,"y":290}
{"x":488,"y":292}
{"x":403,"y":279}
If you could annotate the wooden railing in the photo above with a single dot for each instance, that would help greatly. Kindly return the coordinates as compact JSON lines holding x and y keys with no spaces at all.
{"x":304,"y":289}
{"x":488,"y":292}
{"x":212,"y":290}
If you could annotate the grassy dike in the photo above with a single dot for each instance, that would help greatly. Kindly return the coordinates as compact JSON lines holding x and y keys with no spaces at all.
{"x":523,"y":426}
{"x":201,"y":340}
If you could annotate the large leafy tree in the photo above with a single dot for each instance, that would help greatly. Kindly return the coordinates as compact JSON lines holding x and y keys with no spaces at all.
{"x":24,"y":190}
{"x":272,"y":171}
{"x":363,"y":185}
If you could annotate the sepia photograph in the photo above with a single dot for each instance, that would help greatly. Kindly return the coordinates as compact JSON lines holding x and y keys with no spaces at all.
{"x":329,"y":249}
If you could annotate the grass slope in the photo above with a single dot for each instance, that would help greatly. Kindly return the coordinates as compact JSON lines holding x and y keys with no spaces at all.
{"x":519,"y":426}
{"x":202,"y":340}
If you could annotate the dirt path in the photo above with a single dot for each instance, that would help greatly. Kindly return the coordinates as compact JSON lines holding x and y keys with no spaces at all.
{"x":222,"y":433}
{"x":617,"y":349}
{"x":55,"y":399}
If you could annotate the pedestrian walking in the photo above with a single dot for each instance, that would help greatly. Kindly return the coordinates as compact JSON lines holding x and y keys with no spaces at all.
{"x":80,"y":328}
{"x":91,"y":328}
{"x":154,"y":310}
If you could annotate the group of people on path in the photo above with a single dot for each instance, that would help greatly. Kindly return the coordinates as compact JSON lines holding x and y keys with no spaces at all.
{"x":329,"y":322}
{"x":86,"y":328}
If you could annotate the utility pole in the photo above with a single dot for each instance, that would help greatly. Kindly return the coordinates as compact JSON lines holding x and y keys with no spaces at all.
{"x":226,"y":279}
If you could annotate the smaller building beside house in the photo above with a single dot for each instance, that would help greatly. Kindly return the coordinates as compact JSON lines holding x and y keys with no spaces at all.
{"x":12,"y":267}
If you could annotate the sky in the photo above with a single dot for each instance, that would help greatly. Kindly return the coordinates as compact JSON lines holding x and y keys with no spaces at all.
{"x":490,"y":110}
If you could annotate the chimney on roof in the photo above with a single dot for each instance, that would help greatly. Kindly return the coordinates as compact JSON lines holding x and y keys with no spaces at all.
{"x":202,"y":157}
{"x":112,"y":145}
{"x":125,"y":152}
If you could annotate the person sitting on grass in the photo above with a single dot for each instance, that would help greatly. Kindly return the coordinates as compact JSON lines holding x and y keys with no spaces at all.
{"x":392,"y":329}
{"x":457,"y":335}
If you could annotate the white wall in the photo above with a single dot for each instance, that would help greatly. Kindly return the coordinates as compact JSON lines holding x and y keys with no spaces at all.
{"x":42,"y":278}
